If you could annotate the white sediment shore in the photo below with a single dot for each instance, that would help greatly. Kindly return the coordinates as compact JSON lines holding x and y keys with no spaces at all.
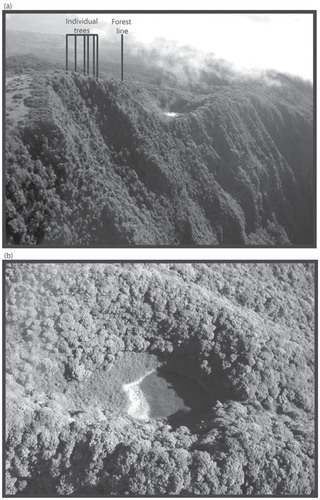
{"x":138,"y":405}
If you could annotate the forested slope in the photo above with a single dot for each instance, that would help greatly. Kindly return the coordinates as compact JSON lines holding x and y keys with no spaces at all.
{"x":101,"y":162}
{"x":75,"y":332}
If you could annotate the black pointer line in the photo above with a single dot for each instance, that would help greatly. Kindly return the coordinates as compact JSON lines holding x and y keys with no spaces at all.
{"x":122,"y":58}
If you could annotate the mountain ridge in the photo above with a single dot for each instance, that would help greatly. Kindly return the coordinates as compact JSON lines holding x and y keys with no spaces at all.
{"x":229,"y":167}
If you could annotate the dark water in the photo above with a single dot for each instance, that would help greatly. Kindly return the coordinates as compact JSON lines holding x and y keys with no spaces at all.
{"x":169,"y":393}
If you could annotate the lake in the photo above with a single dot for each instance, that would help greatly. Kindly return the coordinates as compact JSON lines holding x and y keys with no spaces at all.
{"x":168,"y":392}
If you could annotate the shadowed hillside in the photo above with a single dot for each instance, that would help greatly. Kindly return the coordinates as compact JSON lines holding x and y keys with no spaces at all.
{"x":137,"y":163}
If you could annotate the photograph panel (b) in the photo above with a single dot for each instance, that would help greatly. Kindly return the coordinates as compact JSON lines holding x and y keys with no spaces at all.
{"x":160,"y":379}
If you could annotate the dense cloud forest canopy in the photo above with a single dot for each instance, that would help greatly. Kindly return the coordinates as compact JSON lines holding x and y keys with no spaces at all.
{"x":157,"y":160}
{"x":75,"y":333}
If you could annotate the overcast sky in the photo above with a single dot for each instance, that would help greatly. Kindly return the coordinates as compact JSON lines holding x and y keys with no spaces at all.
{"x":283,"y":42}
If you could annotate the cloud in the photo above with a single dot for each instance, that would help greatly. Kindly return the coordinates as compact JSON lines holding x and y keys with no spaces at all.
{"x":282,"y":42}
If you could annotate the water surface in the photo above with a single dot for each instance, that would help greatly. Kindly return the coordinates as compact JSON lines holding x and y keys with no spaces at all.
{"x":168,"y":393}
